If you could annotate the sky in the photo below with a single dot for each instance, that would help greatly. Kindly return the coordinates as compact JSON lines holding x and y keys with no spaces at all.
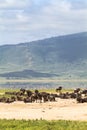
{"x":29,"y":20}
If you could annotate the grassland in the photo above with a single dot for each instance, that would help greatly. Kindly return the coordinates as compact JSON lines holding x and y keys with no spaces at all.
{"x":42,"y":125}
{"x":51,"y":90}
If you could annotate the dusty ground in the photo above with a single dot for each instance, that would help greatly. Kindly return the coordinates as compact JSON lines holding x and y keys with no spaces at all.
{"x":66,"y":109}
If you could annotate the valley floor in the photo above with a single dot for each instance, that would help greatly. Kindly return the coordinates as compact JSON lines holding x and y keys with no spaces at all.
{"x":65,"y":109}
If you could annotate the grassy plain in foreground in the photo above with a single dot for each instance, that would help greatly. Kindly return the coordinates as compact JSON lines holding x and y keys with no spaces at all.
{"x":42,"y":125}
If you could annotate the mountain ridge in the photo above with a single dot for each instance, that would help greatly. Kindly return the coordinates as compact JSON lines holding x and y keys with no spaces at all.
{"x":63,"y":55}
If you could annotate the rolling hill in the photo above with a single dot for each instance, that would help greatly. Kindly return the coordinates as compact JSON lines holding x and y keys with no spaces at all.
{"x":63,"y":56}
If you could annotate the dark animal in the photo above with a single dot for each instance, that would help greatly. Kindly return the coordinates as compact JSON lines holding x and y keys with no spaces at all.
{"x":84,"y":91}
{"x":81,"y":100}
{"x":77,"y":90}
{"x":59,"y":89}
{"x":22,"y":91}
{"x":29,"y":93}
{"x":27,"y":100}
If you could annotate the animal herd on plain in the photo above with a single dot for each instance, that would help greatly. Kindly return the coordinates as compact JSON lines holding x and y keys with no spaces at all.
{"x":28,"y":96}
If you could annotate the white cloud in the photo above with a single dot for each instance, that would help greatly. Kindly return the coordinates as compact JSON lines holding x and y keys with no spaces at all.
{"x":14,"y":3}
{"x":23,"y":20}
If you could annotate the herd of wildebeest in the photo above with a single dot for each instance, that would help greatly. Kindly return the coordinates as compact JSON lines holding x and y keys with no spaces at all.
{"x":28,"y":96}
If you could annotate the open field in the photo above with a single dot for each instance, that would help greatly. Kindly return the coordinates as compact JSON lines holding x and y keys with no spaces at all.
{"x":62,"y":114}
{"x":42,"y":125}
{"x":65,"y":109}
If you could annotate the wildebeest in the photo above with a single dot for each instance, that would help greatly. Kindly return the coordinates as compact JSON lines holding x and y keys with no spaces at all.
{"x":77,"y":90}
{"x":84,"y":91}
{"x":27,"y":100}
{"x":59,"y":89}
{"x":29,"y":93}
{"x":37,"y":96}
{"x":81,"y":100}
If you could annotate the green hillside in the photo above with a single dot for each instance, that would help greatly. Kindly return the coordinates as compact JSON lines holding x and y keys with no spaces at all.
{"x":65,"y":56}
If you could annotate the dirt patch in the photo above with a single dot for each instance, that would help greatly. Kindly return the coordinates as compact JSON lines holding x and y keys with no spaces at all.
{"x":67,"y":109}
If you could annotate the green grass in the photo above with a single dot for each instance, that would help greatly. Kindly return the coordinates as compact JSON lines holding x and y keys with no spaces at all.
{"x":42,"y":125}
{"x":41,"y":90}
{"x":2,"y":91}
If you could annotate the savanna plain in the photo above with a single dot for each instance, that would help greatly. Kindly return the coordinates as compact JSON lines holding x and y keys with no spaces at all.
{"x":62,"y":114}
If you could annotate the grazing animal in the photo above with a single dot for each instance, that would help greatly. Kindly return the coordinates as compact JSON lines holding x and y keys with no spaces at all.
{"x":19,"y":98}
{"x":84,"y":91}
{"x":81,"y":100}
{"x":22,"y":91}
{"x":28,"y":96}
{"x":77,"y":90}
{"x":59,"y":89}
{"x":29,"y":93}
{"x":51,"y":98}
{"x":9,"y":100}
{"x":27,"y":100}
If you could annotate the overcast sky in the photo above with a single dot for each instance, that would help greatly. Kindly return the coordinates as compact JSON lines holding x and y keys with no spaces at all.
{"x":29,"y":20}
